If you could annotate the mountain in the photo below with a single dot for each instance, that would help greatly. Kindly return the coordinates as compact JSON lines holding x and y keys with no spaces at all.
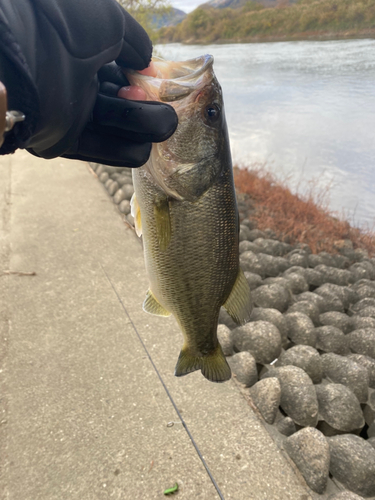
{"x":236,"y":4}
{"x":222,"y":4}
{"x":176,"y":17}
{"x":172,"y":19}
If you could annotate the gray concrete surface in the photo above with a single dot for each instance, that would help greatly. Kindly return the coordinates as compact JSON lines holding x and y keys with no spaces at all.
{"x":83,"y":413}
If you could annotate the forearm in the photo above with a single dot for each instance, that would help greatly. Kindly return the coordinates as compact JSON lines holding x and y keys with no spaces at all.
{"x":21,"y":90}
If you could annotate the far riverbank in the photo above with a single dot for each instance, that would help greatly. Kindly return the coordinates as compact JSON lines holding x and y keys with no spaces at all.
{"x":287,"y":21}
{"x":298,"y":37}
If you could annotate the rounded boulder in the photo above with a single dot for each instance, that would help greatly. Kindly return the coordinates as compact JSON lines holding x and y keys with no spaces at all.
{"x":261,"y":338}
{"x":353,"y":463}
{"x":298,"y":398}
{"x":272,"y":296}
{"x":339,"y":407}
{"x":225,"y":339}
{"x":345,"y":495}
{"x":363,"y":341}
{"x":305,"y":357}
{"x":301,"y":329}
{"x":306,"y":307}
{"x":337,"y":319}
{"x":368,"y":363}
{"x":244,"y":367}
{"x":309,"y":450}
{"x":272,"y":316}
{"x":331,"y":339}
{"x":342,"y":370}
{"x":266,"y":397}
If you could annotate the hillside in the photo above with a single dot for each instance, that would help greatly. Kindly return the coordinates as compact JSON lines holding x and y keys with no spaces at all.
{"x":172,"y":18}
{"x":222,"y":4}
{"x":254,"y":22}
{"x":236,"y":4}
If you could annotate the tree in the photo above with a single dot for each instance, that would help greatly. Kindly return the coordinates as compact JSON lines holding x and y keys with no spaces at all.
{"x":148,"y":13}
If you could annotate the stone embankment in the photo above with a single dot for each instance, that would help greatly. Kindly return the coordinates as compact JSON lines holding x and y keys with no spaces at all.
{"x":307,"y":357}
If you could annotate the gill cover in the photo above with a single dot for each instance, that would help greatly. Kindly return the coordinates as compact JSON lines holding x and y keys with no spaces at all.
{"x":188,"y":163}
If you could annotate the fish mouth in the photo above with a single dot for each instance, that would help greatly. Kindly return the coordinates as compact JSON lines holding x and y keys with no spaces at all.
{"x":185,"y":78}
{"x":177,"y":82}
{"x":191,"y":69}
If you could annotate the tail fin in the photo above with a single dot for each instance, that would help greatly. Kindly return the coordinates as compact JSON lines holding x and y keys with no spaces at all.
{"x":213,"y":366}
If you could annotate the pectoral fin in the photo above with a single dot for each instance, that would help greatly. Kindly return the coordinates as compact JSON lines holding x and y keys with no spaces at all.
{"x":213,"y":366}
{"x":239,"y":303}
{"x":163,"y":222}
{"x":136,"y":213}
{"x":152,"y":306}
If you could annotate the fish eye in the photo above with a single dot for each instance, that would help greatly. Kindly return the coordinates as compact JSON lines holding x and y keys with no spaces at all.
{"x":212,"y":113}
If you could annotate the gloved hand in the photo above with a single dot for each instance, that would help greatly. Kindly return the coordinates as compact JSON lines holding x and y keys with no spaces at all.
{"x":119,"y":128}
{"x":53,"y":78}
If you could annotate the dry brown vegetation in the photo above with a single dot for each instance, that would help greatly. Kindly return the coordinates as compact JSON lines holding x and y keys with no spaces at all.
{"x":298,"y":218}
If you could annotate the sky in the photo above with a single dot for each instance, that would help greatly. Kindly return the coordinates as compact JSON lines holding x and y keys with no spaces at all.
{"x":186,"y":5}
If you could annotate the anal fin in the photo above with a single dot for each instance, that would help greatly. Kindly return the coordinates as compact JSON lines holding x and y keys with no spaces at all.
{"x":239,"y":304}
{"x":152,"y":306}
{"x":214,"y":366}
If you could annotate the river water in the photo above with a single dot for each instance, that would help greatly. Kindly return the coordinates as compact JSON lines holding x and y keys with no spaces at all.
{"x":305,"y":110}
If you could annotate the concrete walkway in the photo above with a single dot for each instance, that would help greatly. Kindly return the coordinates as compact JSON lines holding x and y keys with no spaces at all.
{"x":84,"y":415}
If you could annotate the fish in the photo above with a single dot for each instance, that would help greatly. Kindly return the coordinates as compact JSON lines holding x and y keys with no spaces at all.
{"x":184,"y":206}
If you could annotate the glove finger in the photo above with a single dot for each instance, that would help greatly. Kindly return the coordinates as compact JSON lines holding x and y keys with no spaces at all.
{"x":148,"y":121}
{"x":123,"y":135}
{"x":109,"y":149}
{"x":136,"y":49}
{"x":109,"y":89}
{"x":131,"y":92}
{"x":111,"y":72}
{"x":95,"y":159}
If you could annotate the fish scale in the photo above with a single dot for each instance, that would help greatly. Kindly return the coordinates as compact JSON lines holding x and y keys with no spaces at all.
{"x":175,"y":273}
{"x":185,"y":207}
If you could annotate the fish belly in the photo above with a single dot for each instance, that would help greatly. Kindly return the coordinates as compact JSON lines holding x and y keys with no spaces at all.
{"x":193,"y":277}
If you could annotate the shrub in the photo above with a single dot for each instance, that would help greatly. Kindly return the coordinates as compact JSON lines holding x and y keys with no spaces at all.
{"x":296,"y":218}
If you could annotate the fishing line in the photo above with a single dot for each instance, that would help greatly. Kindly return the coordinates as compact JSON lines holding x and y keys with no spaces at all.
{"x":166,"y":390}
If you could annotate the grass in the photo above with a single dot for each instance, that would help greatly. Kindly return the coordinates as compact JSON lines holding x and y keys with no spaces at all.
{"x":253,"y":22}
{"x":297,"y":218}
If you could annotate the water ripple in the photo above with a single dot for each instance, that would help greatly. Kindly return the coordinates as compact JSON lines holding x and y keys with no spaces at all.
{"x":307,"y":109}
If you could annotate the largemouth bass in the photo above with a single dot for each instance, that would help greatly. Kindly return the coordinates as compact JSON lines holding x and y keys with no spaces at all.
{"x":185,"y":207}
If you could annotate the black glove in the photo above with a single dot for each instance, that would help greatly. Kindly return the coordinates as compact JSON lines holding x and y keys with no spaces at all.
{"x":120,"y":128}
{"x":50,"y":54}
